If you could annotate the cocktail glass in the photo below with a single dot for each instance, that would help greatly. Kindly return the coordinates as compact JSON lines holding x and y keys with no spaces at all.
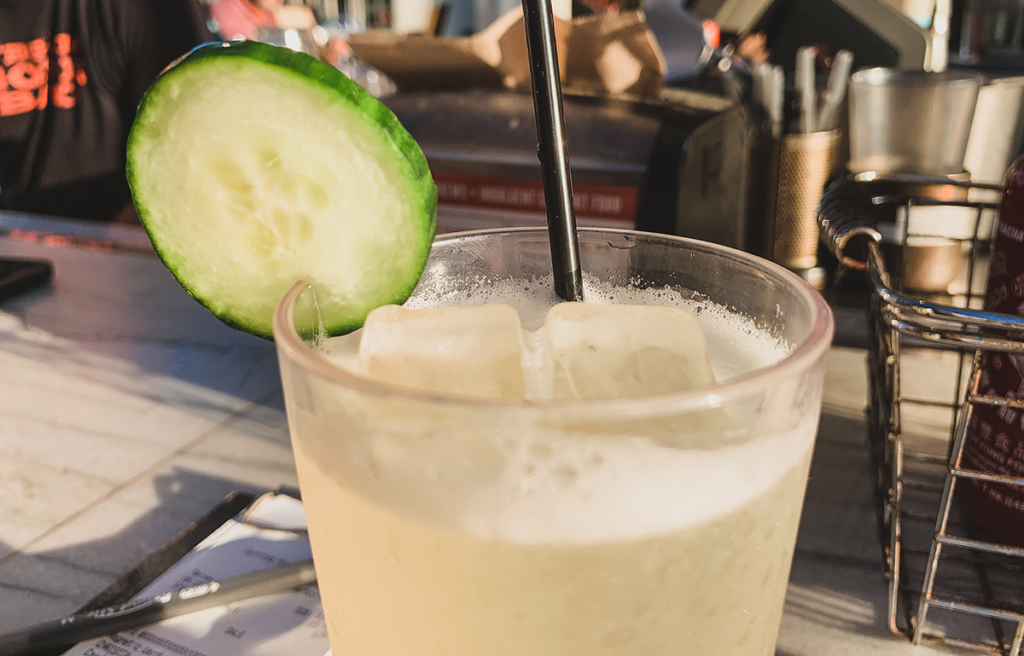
{"x":467,"y":527}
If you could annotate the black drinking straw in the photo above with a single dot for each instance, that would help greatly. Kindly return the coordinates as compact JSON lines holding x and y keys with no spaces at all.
{"x":551,"y":150}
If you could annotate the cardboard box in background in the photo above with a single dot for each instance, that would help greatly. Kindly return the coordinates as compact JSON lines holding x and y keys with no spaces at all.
{"x":601,"y":54}
{"x":613,"y":54}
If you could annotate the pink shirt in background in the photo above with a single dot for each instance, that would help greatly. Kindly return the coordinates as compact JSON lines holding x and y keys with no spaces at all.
{"x":240,"y":18}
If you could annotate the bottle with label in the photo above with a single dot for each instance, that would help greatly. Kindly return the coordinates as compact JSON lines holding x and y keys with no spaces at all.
{"x":995,"y":437}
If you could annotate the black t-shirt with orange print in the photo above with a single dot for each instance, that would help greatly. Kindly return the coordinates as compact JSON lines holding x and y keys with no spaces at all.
{"x":72,"y":73}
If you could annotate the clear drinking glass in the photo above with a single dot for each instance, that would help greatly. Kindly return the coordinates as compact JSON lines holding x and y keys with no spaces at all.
{"x":656,"y":525}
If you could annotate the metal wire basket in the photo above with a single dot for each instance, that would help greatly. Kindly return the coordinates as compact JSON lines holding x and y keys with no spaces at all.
{"x":947,"y":583}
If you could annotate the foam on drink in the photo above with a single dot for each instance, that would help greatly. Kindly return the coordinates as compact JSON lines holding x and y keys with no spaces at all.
{"x":735,"y":344}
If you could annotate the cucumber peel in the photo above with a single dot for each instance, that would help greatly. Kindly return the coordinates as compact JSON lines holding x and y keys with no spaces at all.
{"x":253,"y":167}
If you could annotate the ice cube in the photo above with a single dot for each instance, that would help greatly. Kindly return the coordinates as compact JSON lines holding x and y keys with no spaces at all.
{"x":476,"y":351}
{"x":604,"y":351}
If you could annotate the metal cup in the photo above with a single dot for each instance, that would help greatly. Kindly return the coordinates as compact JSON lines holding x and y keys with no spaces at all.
{"x":911,"y":121}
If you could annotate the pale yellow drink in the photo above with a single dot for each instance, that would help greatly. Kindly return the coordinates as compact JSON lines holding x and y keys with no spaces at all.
{"x":625,"y":546}
{"x":626,"y":527}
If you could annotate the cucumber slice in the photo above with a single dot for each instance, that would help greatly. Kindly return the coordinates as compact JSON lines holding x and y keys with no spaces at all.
{"x":253,"y":166}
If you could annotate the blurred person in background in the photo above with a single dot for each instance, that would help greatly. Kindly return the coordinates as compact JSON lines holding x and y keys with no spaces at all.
{"x":242,"y":19}
{"x":72,"y":73}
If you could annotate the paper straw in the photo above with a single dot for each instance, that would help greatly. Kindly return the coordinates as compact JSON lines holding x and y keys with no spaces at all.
{"x":777,"y":99}
{"x":806,"y":88}
{"x":835,"y":90}
{"x":552,"y":152}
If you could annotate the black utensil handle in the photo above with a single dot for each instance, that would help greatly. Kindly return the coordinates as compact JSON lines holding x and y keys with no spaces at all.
{"x":846,"y":222}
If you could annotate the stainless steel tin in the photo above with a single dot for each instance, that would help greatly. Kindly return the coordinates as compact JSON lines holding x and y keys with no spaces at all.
{"x":911,"y":121}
